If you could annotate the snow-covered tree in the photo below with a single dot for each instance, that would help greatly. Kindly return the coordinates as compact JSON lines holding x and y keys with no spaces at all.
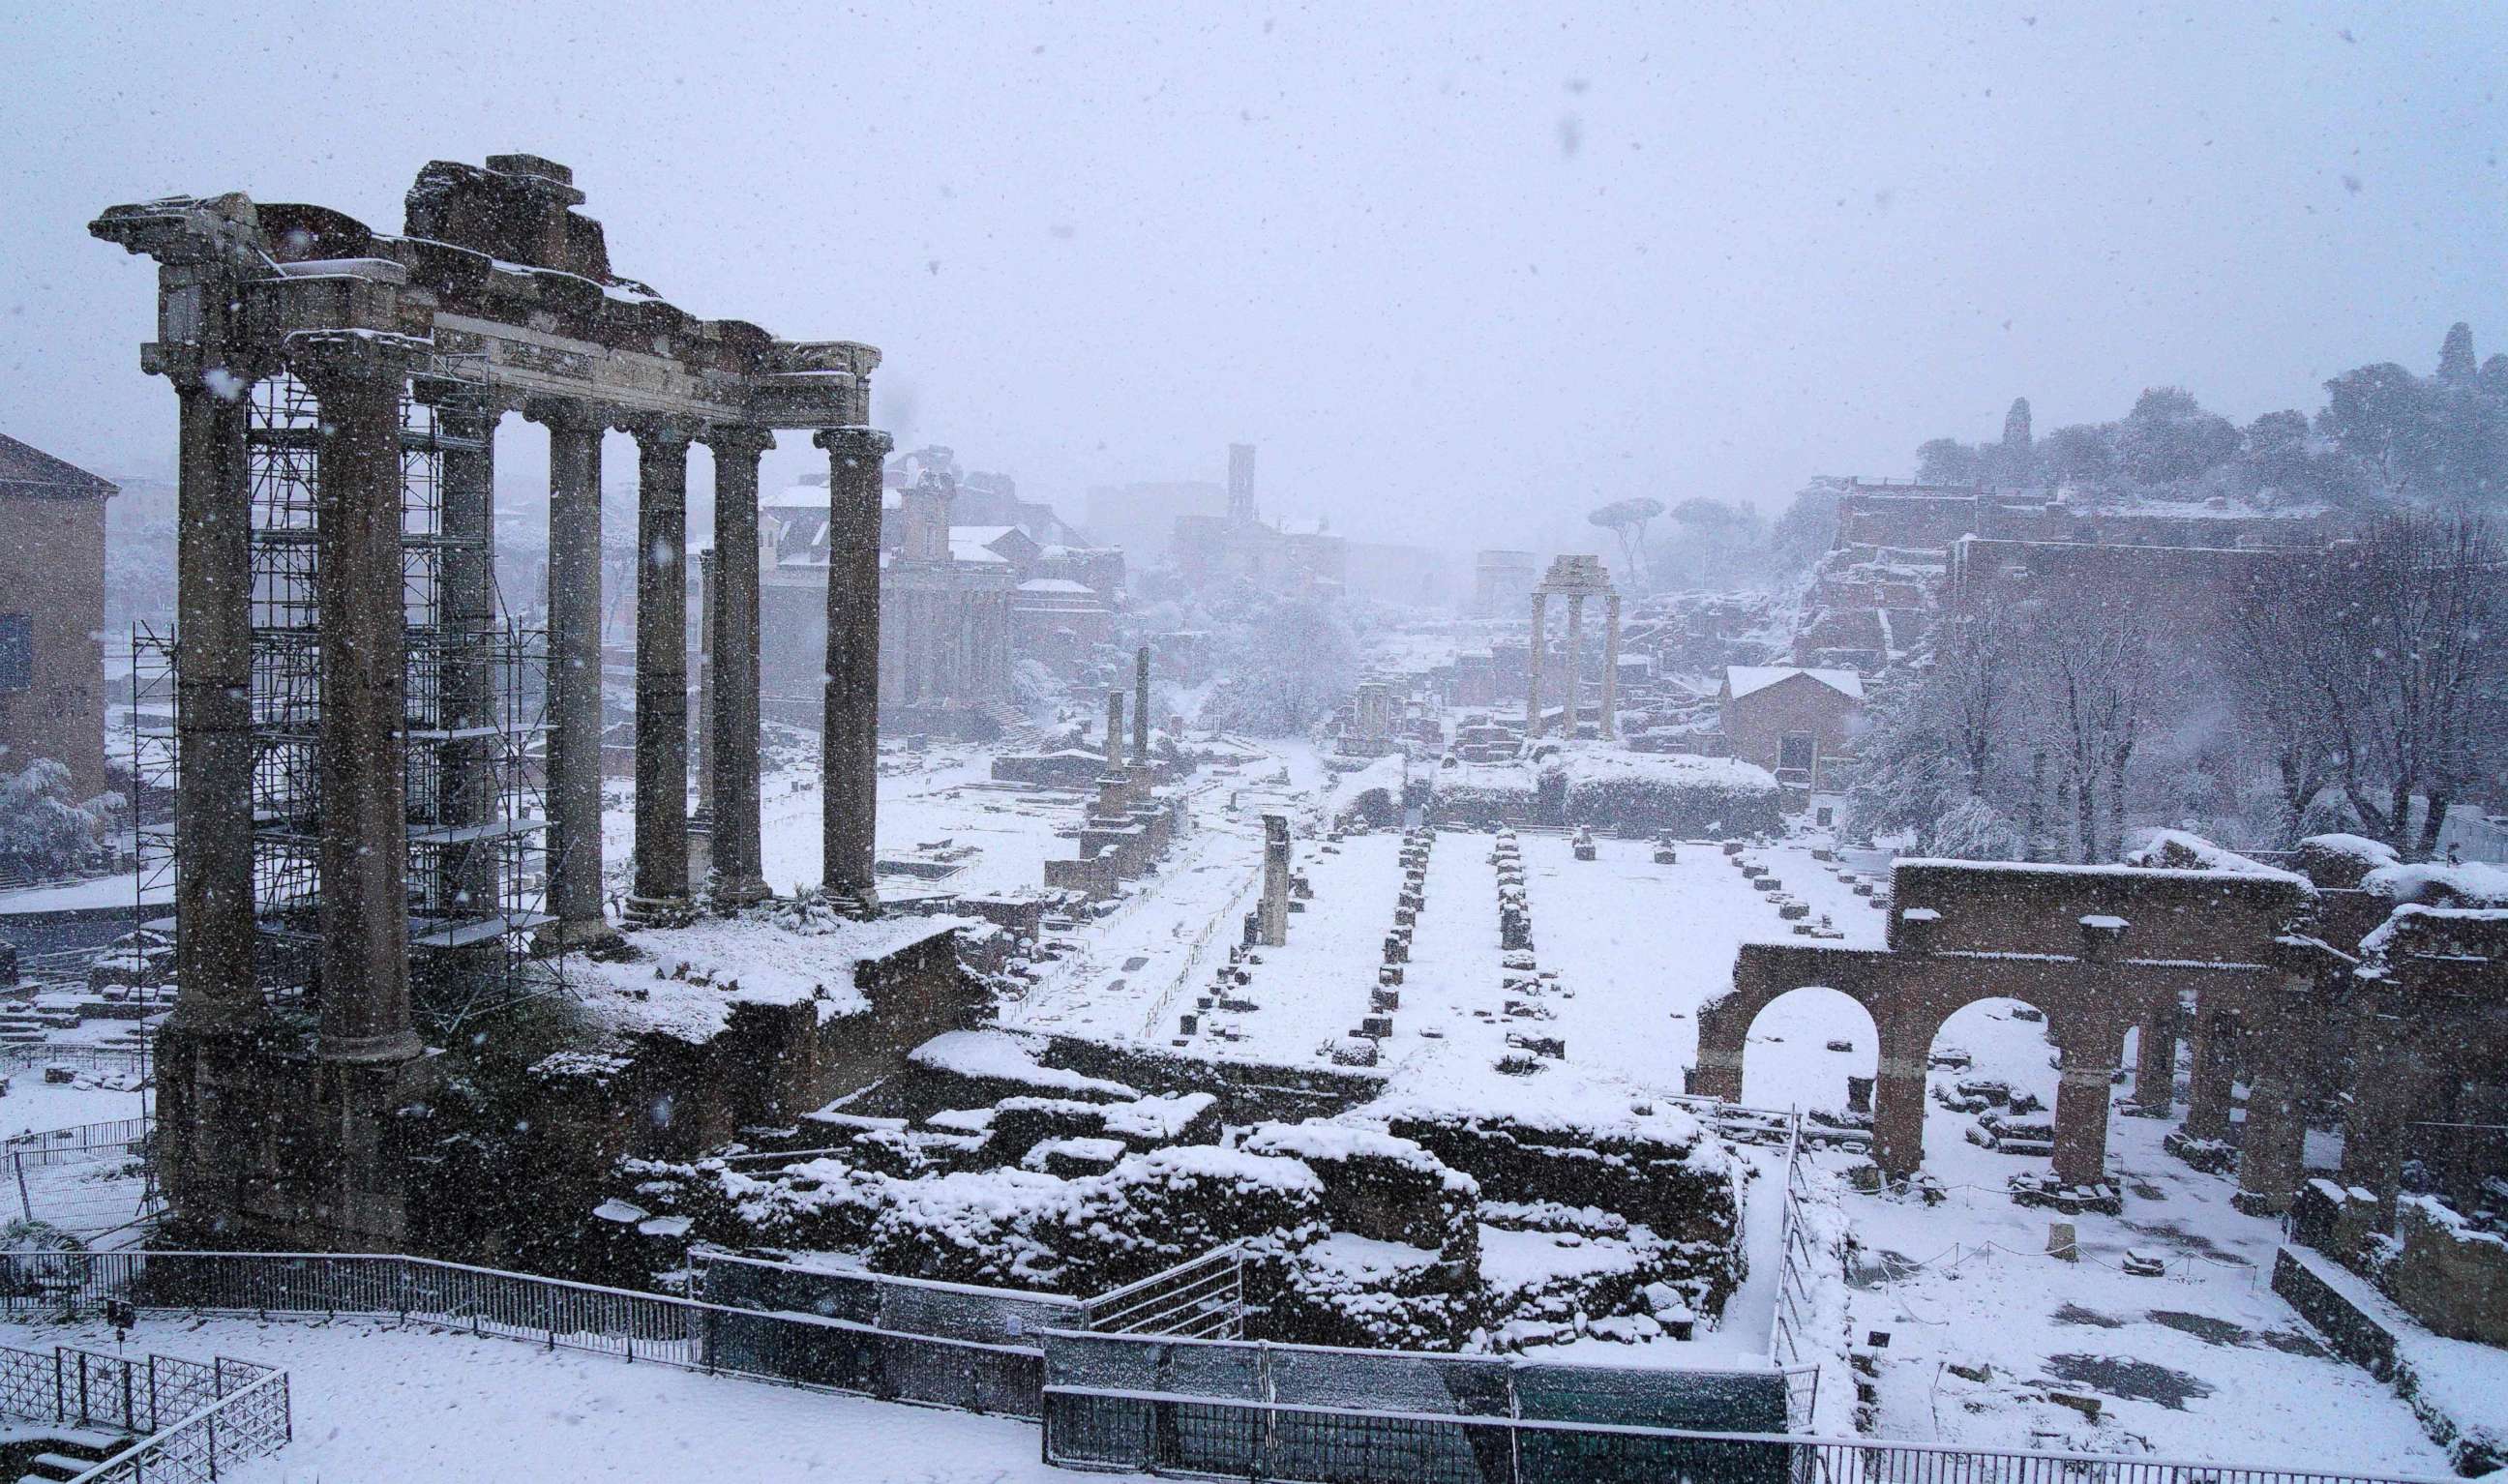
{"x":43,"y":830}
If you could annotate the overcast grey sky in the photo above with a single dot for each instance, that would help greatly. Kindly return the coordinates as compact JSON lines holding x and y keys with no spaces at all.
{"x":1462,"y":271}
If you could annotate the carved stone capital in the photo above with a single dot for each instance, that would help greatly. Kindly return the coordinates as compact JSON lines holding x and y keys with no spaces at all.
{"x":736,"y":440}
{"x":662,"y":430}
{"x":855,"y":443}
{"x":569,"y":415}
{"x":333,"y":358}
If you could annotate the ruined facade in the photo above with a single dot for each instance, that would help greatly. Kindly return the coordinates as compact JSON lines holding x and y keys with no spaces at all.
{"x":394,"y":358}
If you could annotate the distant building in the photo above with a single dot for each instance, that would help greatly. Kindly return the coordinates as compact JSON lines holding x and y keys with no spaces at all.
{"x":960,"y":605}
{"x":52,"y":614}
{"x":1286,"y":556}
{"x":1798,"y":724}
{"x":1502,"y":583}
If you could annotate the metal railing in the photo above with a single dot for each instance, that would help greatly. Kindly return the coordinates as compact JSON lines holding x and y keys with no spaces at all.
{"x":1793,"y":1284}
{"x":1201,"y":1299}
{"x":1092,"y":1428}
{"x":134,"y":1060}
{"x":250,"y":1421}
{"x":796,"y":1349}
{"x":188,"y":1417}
{"x":81,"y":1140}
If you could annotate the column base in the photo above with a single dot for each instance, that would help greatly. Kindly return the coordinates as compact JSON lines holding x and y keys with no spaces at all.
{"x":2261,"y":1203}
{"x":394,"y":1046}
{"x":861,"y":902}
{"x":732,"y":895}
{"x":592,"y":937}
{"x":650,"y":912}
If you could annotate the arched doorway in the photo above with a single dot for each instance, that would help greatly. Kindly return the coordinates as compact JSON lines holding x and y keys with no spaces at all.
{"x":1993,"y":1072}
{"x":1805,"y":1046}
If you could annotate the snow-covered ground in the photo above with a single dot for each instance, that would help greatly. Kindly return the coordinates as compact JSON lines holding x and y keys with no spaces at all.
{"x":408,"y":1403}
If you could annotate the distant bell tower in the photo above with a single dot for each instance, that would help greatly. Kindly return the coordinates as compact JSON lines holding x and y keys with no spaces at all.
{"x":1241,"y":484}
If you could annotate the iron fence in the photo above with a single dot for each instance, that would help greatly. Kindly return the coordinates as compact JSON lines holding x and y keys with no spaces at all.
{"x":190,"y":1417}
{"x":79,"y":1140}
{"x":1089,"y":1428}
{"x":1203,"y":1299}
{"x":252,"y":1420}
{"x":794,"y":1348}
{"x":25,"y":1058}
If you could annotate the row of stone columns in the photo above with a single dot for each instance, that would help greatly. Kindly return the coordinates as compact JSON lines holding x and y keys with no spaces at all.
{"x":362,"y":960}
{"x":1575,"y":657}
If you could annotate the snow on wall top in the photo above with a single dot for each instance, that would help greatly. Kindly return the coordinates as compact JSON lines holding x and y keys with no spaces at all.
{"x":2177,"y":850}
{"x":1321,"y":1142}
{"x":690,"y":977}
{"x":2469,"y":883}
{"x":1595,"y":765}
{"x":1747,"y":678}
{"x":1006,"y":1058}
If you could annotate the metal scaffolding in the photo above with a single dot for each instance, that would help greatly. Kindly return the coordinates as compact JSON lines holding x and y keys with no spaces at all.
{"x":475,"y":821}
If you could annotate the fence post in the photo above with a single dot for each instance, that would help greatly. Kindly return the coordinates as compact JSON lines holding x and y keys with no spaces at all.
{"x":152,"y":1392}
{"x":60,"y":1388}
{"x":128,"y":1422}
{"x":1514,"y":1432}
{"x":25,"y":1203}
{"x":1267,"y":1441}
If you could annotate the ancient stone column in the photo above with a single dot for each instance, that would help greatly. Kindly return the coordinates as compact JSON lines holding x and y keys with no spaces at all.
{"x":2154,"y":1062}
{"x":467,"y":797}
{"x":701,"y":733}
{"x":1141,"y":706}
{"x":661,"y":895}
{"x":1610,"y":667}
{"x":849,"y":755}
{"x":1272,"y":916}
{"x":1113,"y":734}
{"x":2081,"y":1105}
{"x":362,"y":964}
{"x":2273,"y":1146}
{"x":216,"y":939}
{"x":1898,"y":1105}
{"x":2209,"y":1092}
{"x":1532,"y":669}
{"x":739,"y":871}
{"x":1575,"y":665}
{"x":573,"y":784}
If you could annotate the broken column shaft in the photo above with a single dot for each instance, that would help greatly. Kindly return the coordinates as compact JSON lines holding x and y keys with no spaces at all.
{"x":1272,"y":917}
{"x":661,"y":670}
{"x":574,"y":429}
{"x":739,"y":873}
{"x":849,"y":755}
{"x":1610,"y":667}
{"x":1141,"y":706}
{"x":1575,"y":664}
{"x":1533,"y":668}
{"x":1113,"y":734}
{"x":363,"y":961}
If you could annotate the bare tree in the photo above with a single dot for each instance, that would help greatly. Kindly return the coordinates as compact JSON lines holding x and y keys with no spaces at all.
{"x":2094,"y":681}
{"x":2399,"y":630}
{"x":2277,"y":654}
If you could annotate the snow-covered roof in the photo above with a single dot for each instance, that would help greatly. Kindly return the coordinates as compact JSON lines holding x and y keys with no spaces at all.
{"x":1746,"y":678}
{"x":1055,"y":585}
{"x":797,"y":497}
{"x":981,"y":536}
{"x":962,"y":550}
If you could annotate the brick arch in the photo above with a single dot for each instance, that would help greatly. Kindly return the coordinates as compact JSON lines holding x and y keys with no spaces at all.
{"x":1760,"y":980}
{"x":1909,"y":996}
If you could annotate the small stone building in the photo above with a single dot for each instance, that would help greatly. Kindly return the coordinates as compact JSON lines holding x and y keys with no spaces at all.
{"x":52,"y":614}
{"x":1798,"y":724}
